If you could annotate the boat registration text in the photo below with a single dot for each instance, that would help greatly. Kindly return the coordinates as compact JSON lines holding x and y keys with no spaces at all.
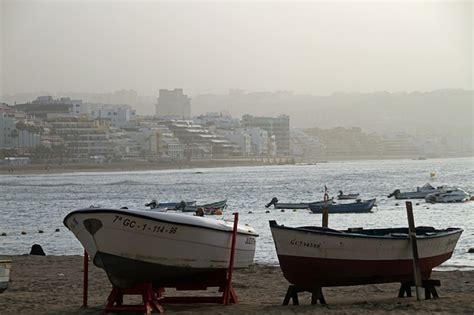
{"x":144,"y":227}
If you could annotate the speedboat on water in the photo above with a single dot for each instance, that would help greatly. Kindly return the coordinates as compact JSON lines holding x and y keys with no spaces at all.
{"x":135,"y":246}
{"x":420,"y":192}
{"x":312,"y":256}
{"x":448,"y":195}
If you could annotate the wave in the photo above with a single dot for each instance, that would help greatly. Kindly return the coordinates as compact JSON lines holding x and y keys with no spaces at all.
{"x":12,"y":184}
{"x":124,"y":182}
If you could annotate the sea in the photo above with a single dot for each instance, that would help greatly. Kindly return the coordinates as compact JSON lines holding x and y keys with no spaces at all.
{"x":34,"y":203}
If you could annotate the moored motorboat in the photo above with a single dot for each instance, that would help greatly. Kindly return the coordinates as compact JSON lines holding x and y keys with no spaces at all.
{"x":208,"y":208}
{"x":5,"y":265}
{"x":154,"y":204}
{"x":342,"y":196}
{"x":313,"y":256}
{"x":446,"y":195}
{"x":290,"y":205}
{"x":359,"y":206}
{"x":134,"y":246}
{"x":420,"y":192}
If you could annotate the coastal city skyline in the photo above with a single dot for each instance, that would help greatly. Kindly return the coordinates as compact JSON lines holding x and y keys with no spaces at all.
{"x":66,"y":129}
{"x":392,"y":73}
{"x":236,"y":157}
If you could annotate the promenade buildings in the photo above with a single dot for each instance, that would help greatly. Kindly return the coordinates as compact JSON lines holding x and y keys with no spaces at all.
{"x":173,"y":104}
{"x":278,"y":127}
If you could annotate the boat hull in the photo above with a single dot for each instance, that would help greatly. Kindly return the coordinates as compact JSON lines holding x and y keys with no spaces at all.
{"x":347,"y":197}
{"x":125,"y":272}
{"x":316,"y":258}
{"x":291,"y":205}
{"x":207,"y":207}
{"x":313,"y":272}
{"x":355,"y":207}
{"x":163,"y":248}
{"x":296,"y":205}
{"x":444,"y":197}
{"x":414,"y":194}
{"x":5,"y":266}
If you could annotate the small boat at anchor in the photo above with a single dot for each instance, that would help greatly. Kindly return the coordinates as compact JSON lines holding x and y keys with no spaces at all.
{"x":360,"y":206}
{"x":290,"y":205}
{"x":5,"y":266}
{"x":342,"y":196}
{"x":312,"y":256}
{"x":135,"y":246}
{"x":209,"y":208}
{"x":154,"y":204}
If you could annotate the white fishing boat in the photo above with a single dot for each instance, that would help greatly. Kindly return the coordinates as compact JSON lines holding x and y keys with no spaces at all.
{"x":312,"y":256}
{"x":5,"y":266}
{"x":420,"y":192}
{"x":134,"y":246}
{"x":448,"y":195}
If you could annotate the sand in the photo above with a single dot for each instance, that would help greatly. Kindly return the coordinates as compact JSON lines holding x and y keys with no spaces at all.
{"x":53,"y":285}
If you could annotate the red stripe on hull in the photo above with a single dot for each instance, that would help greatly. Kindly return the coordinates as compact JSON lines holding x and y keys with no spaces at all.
{"x":313,"y":272}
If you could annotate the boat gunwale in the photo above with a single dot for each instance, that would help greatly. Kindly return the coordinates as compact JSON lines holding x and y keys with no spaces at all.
{"x":106,"y":210}
{"x":332,"y":232}
{"x":364,"y":201}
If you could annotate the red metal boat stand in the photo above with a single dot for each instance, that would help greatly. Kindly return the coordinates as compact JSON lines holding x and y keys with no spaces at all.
{"x":150,"y":298}
{"x":153,"y":298}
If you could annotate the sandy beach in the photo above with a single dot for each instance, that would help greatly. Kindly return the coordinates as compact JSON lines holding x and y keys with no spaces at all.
{"x":53,"y":285}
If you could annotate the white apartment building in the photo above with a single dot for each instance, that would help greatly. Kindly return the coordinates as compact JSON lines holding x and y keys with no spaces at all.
{"x":239,"y":137}
{"x":117,"y":115}
{"x":262,"y":144}
{"x":10,"y":135}
{"x":219,"y":120}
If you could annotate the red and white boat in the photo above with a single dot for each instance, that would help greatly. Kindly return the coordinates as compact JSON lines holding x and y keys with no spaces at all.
{"x":165,"y":249}
{"x":319,"y":257}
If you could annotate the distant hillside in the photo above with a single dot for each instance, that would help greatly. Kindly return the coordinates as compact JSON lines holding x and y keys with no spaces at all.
{"x":436,"y":112}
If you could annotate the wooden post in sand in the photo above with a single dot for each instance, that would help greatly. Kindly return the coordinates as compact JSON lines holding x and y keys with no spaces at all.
{"x":325,"y":208}
{"x":414,"y":248}
{"x":85,"y":283}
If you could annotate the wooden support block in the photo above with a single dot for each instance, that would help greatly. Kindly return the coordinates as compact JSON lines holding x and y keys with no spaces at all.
{"x":292,"y":293}
{"x":316,"y":295}
{"x":429,"y":285}
{"x":405,"y":288}
{"x":289,"y":291}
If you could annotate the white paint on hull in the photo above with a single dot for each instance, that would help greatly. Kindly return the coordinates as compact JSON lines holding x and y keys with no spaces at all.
{"x":299,"y":243}
{"x":182,"y":244}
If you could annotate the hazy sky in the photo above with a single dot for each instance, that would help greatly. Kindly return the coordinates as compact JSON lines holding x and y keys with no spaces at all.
{"x":311,"y":47}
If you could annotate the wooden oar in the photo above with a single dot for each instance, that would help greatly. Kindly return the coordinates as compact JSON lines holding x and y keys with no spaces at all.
{"x":414,"y":248}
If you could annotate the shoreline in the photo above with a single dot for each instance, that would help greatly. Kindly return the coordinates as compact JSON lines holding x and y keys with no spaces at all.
{"x":53,"y":285}
{"x":120,"y":167}
{"x":42,"y":169}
